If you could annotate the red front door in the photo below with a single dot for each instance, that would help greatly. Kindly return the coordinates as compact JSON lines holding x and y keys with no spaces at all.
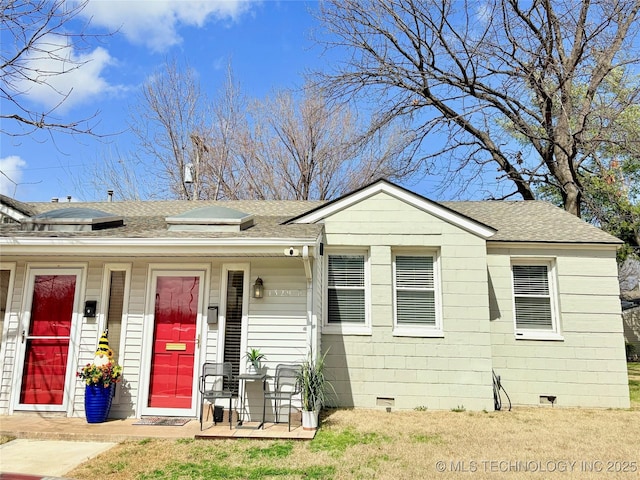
{"x":47,"y":340}
{"x":174,"y":342}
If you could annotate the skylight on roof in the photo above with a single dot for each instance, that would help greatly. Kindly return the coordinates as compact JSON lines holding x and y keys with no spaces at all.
{"x":211,"y":219}
{"x":72,"y":220}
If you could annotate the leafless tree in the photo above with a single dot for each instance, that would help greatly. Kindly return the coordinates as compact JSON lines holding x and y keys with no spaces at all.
{"x":283,"y":147}
{"x":228,"y":132}
{"x":168,"y":122}
{"x":304,"y":149}
{"x":480,"y":74}
{"x":124,"y":174}
{"x":35,"y":32}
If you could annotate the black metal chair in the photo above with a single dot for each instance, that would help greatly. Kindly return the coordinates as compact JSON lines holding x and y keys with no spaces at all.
{"x":216,"y":382}
{"x":285,"y":387}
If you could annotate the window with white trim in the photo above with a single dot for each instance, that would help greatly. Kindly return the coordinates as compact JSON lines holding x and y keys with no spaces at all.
{"x":346,"y":290}
{"x":534,"y":299}
{"x":416,"y":295}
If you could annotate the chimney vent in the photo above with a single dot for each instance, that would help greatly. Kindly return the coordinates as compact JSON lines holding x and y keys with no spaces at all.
{"x":68,"y":198}
{"x":54,"y":200}
{"x":109,"y":195}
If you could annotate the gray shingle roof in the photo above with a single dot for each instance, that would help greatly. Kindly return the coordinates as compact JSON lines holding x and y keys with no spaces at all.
{"x":168,"y":208}
{"x":147,"y":219}
{"x":17,"y":205}
{"x":531,"y":221}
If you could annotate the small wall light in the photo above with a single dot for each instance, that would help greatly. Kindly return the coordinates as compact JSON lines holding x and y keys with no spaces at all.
{"x":258,"y":288}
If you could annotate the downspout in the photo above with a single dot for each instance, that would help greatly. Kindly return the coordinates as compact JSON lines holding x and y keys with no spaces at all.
{"x":308,"y":272}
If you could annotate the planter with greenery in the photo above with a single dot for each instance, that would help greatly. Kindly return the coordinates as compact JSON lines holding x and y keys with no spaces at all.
{"x":314,"y":387}
{"x":100,"y":378}
{"x":254,"y":361}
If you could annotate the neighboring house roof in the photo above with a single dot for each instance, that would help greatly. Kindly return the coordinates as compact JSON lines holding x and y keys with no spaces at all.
{"x":497,"y":221}
{"x":14,"y":209}
{"x":16,"y":205}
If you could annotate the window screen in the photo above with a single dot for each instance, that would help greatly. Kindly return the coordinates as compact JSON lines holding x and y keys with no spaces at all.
{"x":532,"y":297}
{"x":345,"y":284}
{"x":415,"y":290}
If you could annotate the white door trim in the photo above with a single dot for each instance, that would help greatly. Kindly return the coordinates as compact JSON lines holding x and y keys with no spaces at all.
{"x":79,"y":270}
{"x":155,"y":271}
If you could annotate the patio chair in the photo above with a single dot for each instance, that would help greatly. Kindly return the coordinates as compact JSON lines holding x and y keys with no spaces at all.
{"x":285,"y":387}
{"x":216,"y":382}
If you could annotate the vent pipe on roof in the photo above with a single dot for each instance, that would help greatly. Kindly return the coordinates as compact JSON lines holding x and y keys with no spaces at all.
{"x":188,"y":173}
{"x":69,"y":198}
{"x":54,"y":200}
{"x":109,"y":195}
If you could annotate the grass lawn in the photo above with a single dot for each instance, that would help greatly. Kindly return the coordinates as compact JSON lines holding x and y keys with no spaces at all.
{"x":634,"y":383}
{"x":360,"y":444}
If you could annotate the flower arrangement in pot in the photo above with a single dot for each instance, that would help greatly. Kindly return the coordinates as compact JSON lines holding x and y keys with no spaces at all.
{"x":254,"y":360}
{"x":100,"y":378}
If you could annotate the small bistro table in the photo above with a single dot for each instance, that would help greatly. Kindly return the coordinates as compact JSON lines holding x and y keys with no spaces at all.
{"x":243,"y":378}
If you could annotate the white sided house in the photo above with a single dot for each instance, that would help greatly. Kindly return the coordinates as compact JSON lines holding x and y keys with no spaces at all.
{"x":415,"y":303}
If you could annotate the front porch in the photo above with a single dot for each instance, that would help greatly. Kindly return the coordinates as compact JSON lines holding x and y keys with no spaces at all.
{"x":36,"y":426}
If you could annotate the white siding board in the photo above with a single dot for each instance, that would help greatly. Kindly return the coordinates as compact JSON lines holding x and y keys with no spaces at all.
{"x":13,"y":330}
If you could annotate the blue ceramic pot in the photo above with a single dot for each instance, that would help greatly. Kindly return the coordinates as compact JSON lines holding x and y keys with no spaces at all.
{"x":97,"y":402}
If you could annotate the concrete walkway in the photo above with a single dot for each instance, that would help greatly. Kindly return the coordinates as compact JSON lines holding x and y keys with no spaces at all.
{"x":47,"y":457}
{"x":118,"y":430}
{"x":56,"y":445}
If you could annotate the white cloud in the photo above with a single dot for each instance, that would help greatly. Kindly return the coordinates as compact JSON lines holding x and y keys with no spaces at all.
{"x":155,"y":23}
{"x":63,"y":79}
{"x":11,"y":174}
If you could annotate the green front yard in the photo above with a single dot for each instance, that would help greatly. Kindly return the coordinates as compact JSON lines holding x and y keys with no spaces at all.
{"x":359,"y":444}
{"x":634,"y":384}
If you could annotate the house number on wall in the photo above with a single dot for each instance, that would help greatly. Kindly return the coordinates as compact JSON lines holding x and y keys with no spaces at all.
{"x":286,"y":293}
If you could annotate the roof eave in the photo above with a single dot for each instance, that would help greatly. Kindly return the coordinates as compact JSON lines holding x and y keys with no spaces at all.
{"x":560,"y":243}
{"x":135,"y":246}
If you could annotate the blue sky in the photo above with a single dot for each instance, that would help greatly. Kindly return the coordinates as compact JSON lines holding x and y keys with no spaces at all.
{"x":267,"y":42}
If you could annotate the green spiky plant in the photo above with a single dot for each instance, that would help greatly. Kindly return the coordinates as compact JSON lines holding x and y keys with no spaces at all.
{"x":313,"y":383}
{"x":255,"y":357}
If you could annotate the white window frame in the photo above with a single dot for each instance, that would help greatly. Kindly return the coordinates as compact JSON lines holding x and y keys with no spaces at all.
{"x":348,"y":328}
{"x":245,"y":268}
{"x":104,"y":309}
{"x":538,"y":334}
{"x":419,"y":330}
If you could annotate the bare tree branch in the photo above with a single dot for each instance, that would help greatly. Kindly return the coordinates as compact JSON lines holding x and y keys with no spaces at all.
{"x":33,"y":32}
{"x":289,"y":146}
{"x":489,"y":73}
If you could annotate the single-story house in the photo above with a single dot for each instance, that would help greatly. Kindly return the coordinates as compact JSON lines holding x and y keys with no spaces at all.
{"x":631,"y":325}
{"x":415,"y":303}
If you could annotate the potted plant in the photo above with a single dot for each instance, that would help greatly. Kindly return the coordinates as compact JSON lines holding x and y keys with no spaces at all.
{"x":313,"y":385}
{"x":100,"y":379}
{"x":254,"y":360}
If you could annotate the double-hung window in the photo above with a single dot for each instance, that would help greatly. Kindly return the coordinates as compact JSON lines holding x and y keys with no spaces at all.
{"x":346,"y":292}
{"x":534,"y":300}
{"x":416,"y":295}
